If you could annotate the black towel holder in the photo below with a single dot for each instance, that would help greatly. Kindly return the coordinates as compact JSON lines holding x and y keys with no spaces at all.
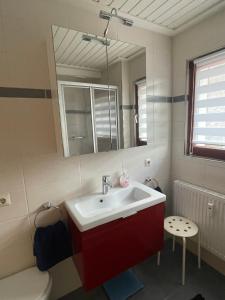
{"x":45,"y":206}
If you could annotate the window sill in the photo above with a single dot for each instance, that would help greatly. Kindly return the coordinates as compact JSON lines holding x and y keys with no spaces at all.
{"x":209,"y":153}
{"x":204,"y":158}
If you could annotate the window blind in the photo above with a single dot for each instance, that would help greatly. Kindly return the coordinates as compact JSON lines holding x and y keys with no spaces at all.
{"x":105,"y":119}
{"x":209,"y":104}
{"x":142,"y":110}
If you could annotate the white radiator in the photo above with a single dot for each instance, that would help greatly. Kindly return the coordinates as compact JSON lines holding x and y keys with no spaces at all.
{"x":207,"y":209}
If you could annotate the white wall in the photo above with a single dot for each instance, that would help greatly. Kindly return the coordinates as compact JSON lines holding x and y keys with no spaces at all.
{"x":30,"y":167}
{"x":200,"y":39}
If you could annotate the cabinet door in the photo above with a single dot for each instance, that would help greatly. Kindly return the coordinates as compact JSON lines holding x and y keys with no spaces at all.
{"x":116,"y":246}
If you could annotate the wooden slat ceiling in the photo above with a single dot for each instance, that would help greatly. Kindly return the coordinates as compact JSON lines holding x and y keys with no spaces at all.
{"x":168,"y":14}
{"x":72,"y":50}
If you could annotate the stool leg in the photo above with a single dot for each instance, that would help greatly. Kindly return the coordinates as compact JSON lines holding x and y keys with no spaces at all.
{"x":199,"y":250}
{"x":183,"y":261}
{"x":158,"y":258}
{"x":174,"y":239}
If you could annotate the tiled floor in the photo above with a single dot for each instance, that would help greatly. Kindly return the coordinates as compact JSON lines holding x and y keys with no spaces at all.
{"x":163,"y":283}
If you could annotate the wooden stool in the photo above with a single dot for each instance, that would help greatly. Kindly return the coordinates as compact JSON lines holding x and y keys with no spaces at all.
{"x":184,"y":228}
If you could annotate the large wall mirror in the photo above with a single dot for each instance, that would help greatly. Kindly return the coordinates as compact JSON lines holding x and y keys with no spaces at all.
{"x":102,"y":92}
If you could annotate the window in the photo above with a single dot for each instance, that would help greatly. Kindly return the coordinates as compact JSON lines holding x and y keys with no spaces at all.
{"x":206,"y":112}
{"x":141,"y":112}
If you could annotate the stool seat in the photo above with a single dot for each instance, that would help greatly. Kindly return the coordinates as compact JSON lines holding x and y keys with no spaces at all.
{"x":180,"y":226}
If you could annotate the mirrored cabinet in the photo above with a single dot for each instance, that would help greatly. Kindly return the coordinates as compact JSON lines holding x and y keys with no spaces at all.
{"x":102,"y":92}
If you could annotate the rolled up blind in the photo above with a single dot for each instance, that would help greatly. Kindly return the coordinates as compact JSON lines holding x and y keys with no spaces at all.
{"x":209,"y":105}
{"x":142,"y":110}
{"x":105,"y":122}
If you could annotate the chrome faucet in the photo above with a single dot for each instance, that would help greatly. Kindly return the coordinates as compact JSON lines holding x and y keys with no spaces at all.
{"x":106,"y":184}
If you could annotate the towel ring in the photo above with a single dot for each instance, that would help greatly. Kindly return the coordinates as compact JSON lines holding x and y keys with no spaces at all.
{"x":45,"y":206}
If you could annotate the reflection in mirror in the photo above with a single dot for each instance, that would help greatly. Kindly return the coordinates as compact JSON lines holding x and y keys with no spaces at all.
{"x":102,"y":108}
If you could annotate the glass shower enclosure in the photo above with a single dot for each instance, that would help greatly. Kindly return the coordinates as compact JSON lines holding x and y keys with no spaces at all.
{"x":89,"y":117}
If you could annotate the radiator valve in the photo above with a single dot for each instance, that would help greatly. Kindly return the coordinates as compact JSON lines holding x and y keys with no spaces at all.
{"x":210,"y":208}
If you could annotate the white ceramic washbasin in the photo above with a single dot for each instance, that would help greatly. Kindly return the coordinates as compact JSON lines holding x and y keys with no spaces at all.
{"x":93,"y":210}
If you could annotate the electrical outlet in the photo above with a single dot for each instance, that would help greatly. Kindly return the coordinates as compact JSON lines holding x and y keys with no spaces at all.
{"x":5,"y":200}
{"x":147,"y":162}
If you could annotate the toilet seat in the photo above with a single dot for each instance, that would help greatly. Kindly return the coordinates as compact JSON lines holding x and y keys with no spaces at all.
{"x":30,"y":284}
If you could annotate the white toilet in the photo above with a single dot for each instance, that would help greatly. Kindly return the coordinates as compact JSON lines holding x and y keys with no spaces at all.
{"x":30,"y":284}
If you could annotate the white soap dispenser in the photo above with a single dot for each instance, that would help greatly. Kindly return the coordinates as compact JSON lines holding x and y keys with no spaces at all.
{"x":124,"y":179}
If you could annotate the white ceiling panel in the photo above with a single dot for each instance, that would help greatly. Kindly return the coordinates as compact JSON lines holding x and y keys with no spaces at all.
{"x":151,"y":9}
{"x":188,"y":14}
{"x":129,"y":5}
{"x":166,"y":16}
{"x":74,"y":52}
{"x":69,"y":50}
{"x":174,"y":10}
{"x":139,"y":7}
{"x":168,"y":5}
{"x":61,"y":50}
{"x":59,"y":37}
{"x":189,"y":8}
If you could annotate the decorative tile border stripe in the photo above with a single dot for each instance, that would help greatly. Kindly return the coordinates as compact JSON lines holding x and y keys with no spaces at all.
{"x":159,"y":99}
{"x":180,"y":98}
{"x":152,"y":99}
{"x":77,"y":111}
{"x":127,"y":106}
{"x":11,"y":92}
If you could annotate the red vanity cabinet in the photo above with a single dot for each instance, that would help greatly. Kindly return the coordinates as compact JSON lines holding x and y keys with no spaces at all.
{"x":109,"y":249}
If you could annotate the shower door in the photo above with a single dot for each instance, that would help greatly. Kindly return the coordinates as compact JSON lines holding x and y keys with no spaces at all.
{"x":76,"y":112}
{"x":106,"y":119}
{"x":89,"y":118}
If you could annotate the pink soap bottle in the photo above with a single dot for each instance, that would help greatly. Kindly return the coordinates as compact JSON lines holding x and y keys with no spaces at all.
{"x":124,"y":179}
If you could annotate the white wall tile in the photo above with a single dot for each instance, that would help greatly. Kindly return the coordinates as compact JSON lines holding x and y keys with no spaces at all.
{"x":5,"y":73}
{"x":50,"y":178}
{"x":189,"y":169}
{"x":200,"y":171}
{"x":215,"y":178}
{"x":162,"y":112}
{"x":11,"y":181}
{"x":178,"y":130}
{"x":27,"y":127}
{"x":16,"y":247}
{"x":93,"y":167}
{"x":179,"y":111}
{"x":2,"y":46}
{"x":133,"y":162}
{"x":178,"y":148}
{"x":162,"y":131}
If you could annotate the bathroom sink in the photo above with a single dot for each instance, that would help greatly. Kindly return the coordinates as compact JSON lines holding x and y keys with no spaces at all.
{"x":93,"y":210}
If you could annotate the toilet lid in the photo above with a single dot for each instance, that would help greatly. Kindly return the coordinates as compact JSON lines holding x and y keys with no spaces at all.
{"x":30,"y":284}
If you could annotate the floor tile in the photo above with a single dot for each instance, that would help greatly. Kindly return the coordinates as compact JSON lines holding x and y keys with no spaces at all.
{"x":164,"y":282}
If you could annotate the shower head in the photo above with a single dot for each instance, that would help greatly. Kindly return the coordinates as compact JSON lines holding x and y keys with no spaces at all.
{"x":108,"y":15}
{"x":89,"y":38}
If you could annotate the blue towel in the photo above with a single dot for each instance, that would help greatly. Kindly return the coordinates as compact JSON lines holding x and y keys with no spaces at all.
{"x":52,"y":244}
